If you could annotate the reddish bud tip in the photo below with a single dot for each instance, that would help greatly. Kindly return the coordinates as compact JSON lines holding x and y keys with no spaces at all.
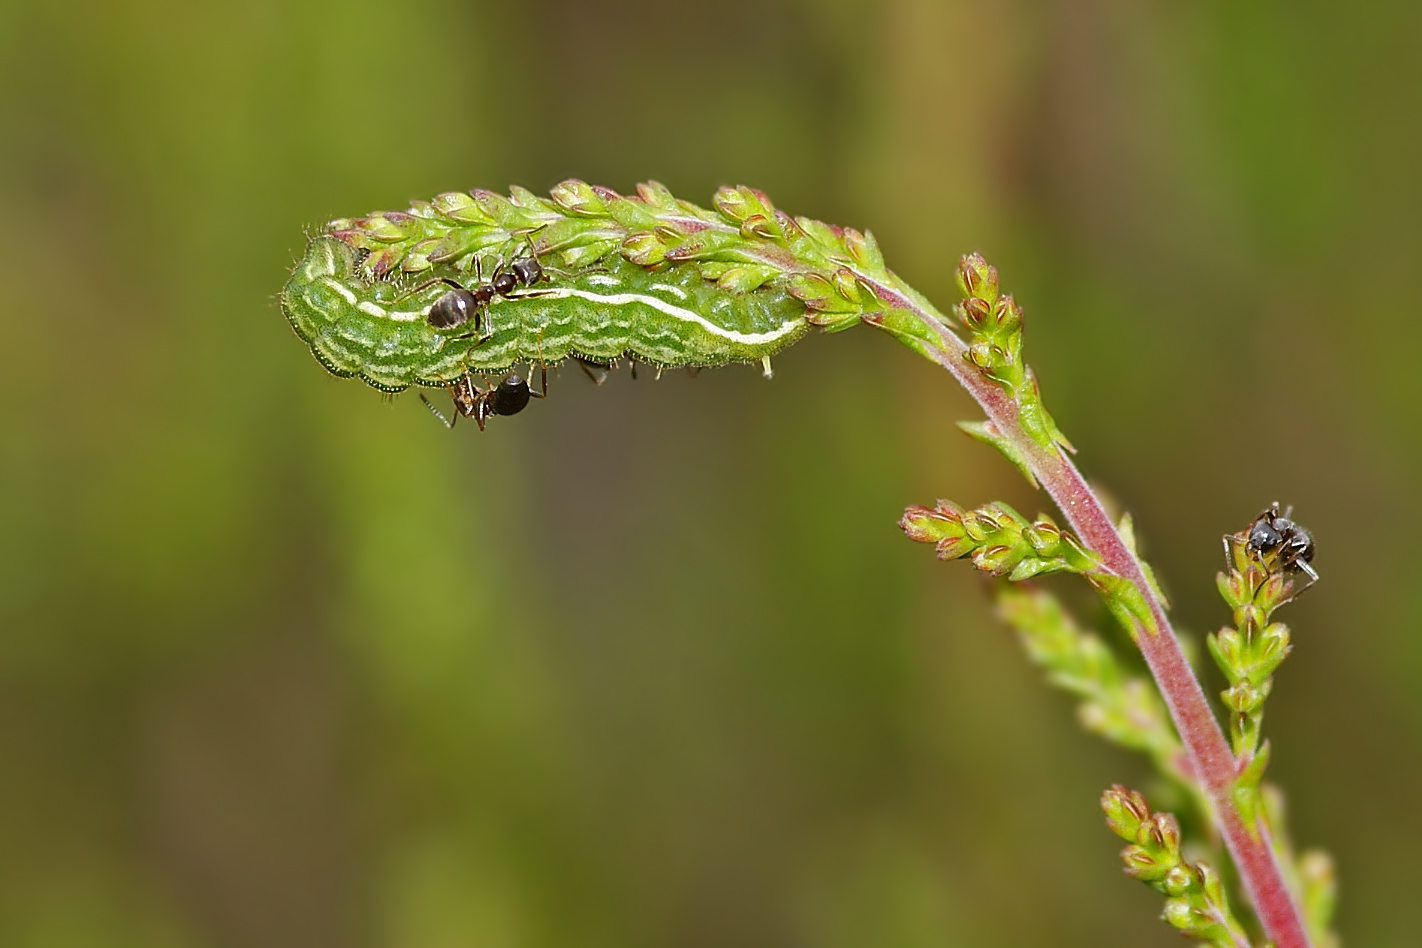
{"x":1125,"y":811}
{"x":735,"y":203}
{"x":578,"y":197}
{"x":1007,"y":314}
{"x":976,"y":279}
{"x":644,"y":249}
{"x":974,"y":313}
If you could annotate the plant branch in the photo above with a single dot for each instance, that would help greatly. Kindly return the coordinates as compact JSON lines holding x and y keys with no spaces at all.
{"x":746,"y":246}
{"x":1210,"y":759}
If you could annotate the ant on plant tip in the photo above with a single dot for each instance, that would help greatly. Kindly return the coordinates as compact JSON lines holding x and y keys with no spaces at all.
{"x":1278,"y":543}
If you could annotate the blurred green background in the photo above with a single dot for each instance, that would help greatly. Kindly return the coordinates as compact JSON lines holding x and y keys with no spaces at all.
{"x":651,"y":665}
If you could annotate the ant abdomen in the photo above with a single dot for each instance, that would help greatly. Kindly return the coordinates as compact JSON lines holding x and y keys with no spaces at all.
{"x":454,"y":308}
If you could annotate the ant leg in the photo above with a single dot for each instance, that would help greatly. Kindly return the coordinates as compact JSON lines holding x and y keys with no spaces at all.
{"x":448,"y":422}
{"x":483,"y":337}
{"x":602,"y":370}
{"x":557,"y":271}
{"x":527,"y":234}
{"x":481,"y":322}
{"x":1312,"y":578}
{"x":426,"y":285}
{"x":542,"y":369}
{"x":553,"y":271}
{"x":483,"y":401}
{"x":481,"y":315}
{"x":568,"y":275}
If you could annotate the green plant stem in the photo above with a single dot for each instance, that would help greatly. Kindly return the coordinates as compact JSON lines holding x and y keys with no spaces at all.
{"x":1211,"y":762}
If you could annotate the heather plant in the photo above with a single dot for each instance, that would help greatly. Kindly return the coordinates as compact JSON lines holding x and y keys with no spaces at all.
{"x":476,"y":284}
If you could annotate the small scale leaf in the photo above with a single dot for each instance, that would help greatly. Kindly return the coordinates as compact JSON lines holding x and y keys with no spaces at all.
{"x":986,"y":432}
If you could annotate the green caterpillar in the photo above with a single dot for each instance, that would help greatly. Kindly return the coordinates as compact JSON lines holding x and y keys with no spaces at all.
{"x":379,"y":330}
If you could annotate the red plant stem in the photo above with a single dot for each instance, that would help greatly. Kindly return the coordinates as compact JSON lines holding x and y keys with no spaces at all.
{"x":1211,"y":761}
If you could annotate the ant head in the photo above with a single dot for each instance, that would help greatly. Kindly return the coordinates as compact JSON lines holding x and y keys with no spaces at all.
{"x":1264,"y":535}
{"x":528,"y":270}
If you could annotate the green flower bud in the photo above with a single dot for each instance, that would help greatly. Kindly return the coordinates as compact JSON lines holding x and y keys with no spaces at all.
{"x":578,"y":197}
{"x":1250,"y":615}
{"x":1179,"y":914}
{"x":1125,"y":811}
{"x":656,"y":195}
{"x":743,"y":279}
{"x":758,"y":225}
{"x":818,"y":231}
{"x":1030,"y":566}
{"x":1270,"y":649}
{"x":976,"y":279}
{"x":1007,"y":315}
{"x":631,"y":215}
{"x":1227,"y":647}
{"x":644,"y":249}
{"x":1178,"y":880}
{"x":1232,"y":588}
{"x":932,"y":526}
{"x":1044,"y":536}
{"x":974,"y":313}
{"x":382,"y":227}
{"x":1275,"y":591}
{"x":589,"y":253}
{"x":846,"y":284}
{"x":790,"y":227}
{"x":381,"y":262}
{"x":1147,"y":866}
{"x":983,"y":355}
{"x":978,"y":525}
{"x":1094,"y":718}
{"x":950,"y":548}
{"x":1160,"y":832}
{"x":736,"y":203}
{"x":863,"y":249}
{"x":1245,"y":698}
{"x":460,"y":207}
{"x":997,"y":559}
{"x":1320,"y":887}
{"x":498,"y":209}
{"x":814,"y":291}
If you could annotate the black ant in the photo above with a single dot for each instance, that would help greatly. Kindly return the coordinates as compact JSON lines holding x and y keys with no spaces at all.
{"x":509,"y":397}
{"x":1273,"y":536}
{"x":461,"y":304}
